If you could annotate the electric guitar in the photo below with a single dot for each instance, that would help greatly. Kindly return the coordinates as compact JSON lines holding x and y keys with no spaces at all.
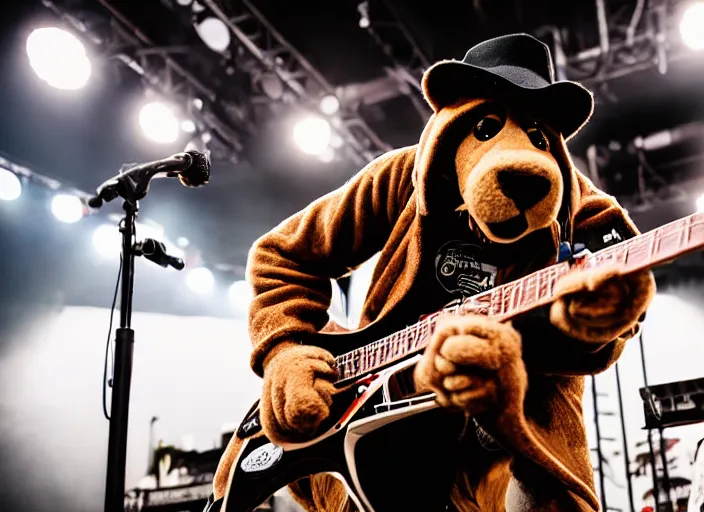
{"x":370,"y":398}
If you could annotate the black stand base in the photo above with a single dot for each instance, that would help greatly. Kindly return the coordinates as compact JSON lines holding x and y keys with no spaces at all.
{"x":119,"y":414}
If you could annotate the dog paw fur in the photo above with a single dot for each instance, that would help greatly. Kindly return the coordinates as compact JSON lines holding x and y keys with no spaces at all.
{"x":470,"y":362}
{"x":297,"y":391}
{"x":599,"y":305}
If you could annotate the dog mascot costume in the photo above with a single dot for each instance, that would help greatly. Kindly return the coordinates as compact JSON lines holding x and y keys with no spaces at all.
{"x":490,"y":185}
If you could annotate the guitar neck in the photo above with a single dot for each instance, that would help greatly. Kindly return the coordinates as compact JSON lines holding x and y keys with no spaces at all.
{"x":530,"y":292}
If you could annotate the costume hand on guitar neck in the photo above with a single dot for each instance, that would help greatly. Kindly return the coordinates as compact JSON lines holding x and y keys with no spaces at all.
{"x":478,"y":214}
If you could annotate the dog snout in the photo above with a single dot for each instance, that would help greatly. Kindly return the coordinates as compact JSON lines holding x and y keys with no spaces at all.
{"x":524,"y":188}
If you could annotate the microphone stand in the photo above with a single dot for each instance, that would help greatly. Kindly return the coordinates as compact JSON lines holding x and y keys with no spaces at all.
{"x":122,"y":378}
{"x":131,"y":187}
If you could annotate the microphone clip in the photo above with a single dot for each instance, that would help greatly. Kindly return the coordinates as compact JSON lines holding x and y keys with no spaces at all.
{"x":155,"y":252}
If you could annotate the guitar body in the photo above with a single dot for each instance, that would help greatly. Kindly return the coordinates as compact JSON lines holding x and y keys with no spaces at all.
{"x":360,"y":445}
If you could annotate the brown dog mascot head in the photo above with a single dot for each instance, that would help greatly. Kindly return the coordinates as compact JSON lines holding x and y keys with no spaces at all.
{"x":504,"y":120}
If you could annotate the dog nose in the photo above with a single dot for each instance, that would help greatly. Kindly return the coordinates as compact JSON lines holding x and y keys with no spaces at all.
{"x":524,"y":188}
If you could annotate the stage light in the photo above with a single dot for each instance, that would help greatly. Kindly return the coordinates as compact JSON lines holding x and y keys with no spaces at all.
{"x":312,"y":134}
{"x":700,"y":203}
{"x":327,"y":156}
{"x":214,"y":34}
{"x":691,"y":26}
{"x":59,"y":58}
{"x":200,"y":280}
{"x":336,"y":141}
{"x":159,"y":123}
{"x":197,"y":7}
{"x":184,"y":3}
{"x":182,"y":242}
{"x":107,"y":240}
{"x":198,"y":103}
{"x":329,"y":105}
{"x":188,"y":126}
{"x":240,"y":295}
{"x":67,"y":208}
{"x":10,"y":185}
{"x":206,"y":137}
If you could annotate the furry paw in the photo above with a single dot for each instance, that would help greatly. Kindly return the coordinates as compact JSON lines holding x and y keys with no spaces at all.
{"x":598,"y":305}
{"x":465,"y":361}
{"x":297,"y":392}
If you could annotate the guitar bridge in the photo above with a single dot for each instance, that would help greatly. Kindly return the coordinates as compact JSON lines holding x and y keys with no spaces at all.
{"x":400,"y":404}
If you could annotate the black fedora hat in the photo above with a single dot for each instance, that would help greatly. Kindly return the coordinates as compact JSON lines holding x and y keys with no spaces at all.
{"x":518,"y":65}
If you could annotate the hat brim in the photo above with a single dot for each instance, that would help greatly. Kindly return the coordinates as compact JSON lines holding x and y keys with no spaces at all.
{"x":565,"y":106}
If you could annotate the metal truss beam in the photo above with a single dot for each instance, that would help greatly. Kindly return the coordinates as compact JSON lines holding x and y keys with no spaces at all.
{"x":305,"y":84}
{"x":382,"y":22}
{"x":162,"y":73}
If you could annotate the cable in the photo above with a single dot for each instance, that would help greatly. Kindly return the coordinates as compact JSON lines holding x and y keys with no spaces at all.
{"x":108,"y":344}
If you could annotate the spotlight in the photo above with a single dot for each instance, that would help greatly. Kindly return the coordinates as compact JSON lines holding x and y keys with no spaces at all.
{"x":200,"y":280}
{"x":10,"y":185}
{"x":198,"y":103}
{"x":691,"y":26}
{"x":700,"y":203}
{"x":58,"y":58}
{"x":67,"y":208}
{"x":107,"y":240}
{"x":327,"y":156}
{"x":188,"y":126}
{"x":214,"y":34}
{"x":363,"y":10}
{"x":312,"y":134}
{"x":240,"y":295}
{"x":336,"y":141}
{"x":329,"y":105}
{"x":159,"y":123}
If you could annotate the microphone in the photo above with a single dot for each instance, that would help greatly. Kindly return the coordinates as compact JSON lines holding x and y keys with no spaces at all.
{"x":192,"y":168}
{"x":155,"y":251}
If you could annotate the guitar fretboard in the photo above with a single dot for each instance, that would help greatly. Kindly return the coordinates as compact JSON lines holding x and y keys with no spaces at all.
{"x":537,"y":289}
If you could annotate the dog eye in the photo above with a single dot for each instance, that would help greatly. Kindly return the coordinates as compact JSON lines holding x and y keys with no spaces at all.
{"x":537,"y":137}
{"x":487,"y":127}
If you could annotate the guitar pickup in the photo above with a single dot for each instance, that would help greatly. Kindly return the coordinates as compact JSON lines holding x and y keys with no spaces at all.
{"x":400,"y":404}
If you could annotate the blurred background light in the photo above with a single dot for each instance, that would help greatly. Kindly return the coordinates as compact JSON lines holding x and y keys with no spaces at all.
{"x":159,"y":123}
{"x":182,"y":241}
{"x":107,"y":240}
{"x":329,"y":104}
{"x":214,"y":34}
{"x":59,"y":58}
{"x":188,"y":126}
{"x":240,"y":295}
{"x":200,"y":280}
{"x":692,"y":26}
{"x":10,"y":185}
{"x":700,"y":203}
{"x":328,"y":155}
{"x":312,"y":135}
{"x":67,"y":208}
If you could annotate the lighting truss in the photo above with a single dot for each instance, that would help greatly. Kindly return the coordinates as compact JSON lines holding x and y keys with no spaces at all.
{"x":161,"y":72}
{"x":304,"y":84}
{"x":387,"y":30}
